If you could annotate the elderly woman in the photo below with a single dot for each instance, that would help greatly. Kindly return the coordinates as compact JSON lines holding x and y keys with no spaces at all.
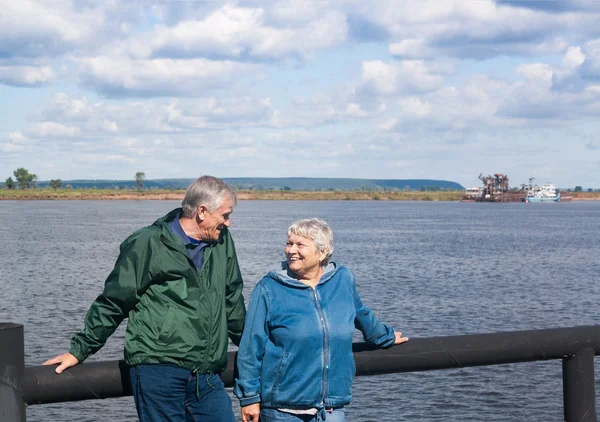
{"x":295,"y":359}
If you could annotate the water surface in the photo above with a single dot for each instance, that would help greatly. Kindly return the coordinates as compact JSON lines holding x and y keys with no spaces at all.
{"x":426,"y":268}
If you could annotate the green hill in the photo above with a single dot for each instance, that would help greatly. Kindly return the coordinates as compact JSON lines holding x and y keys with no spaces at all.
{"x":275,"y":183}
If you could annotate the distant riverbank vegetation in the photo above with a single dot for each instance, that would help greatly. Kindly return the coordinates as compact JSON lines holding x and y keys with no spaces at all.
{"x":26,"y":186}
{"x":281,"y":195}
{"x":159,"y":194}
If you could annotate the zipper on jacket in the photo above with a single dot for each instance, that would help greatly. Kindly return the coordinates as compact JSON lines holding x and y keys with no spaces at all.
{"x":201,"y":285}
{"x":204,"y":367}
{"x":325,"y":343}
{"x":210,"y":311}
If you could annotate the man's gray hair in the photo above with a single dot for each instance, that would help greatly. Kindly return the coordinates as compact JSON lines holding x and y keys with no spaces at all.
{"x":318,"y":231}
{"x":208,"y":191}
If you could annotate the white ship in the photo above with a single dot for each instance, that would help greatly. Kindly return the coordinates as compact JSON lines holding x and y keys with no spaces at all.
{"x":546,"y":193}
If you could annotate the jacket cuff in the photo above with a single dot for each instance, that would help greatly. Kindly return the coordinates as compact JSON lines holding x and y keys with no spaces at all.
{"x":247,"y":401}
{"x":247,"y":391}
{"x":76,"y":351}
{"x":390,"y":338}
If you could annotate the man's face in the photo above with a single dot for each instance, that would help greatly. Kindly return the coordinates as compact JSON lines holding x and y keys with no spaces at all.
{"x":212,"y":223}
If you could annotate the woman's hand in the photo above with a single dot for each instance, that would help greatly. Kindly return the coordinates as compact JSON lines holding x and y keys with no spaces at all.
{"x":64,"y":361}
{"x":399,"y":338}
{"x":251,"y":413}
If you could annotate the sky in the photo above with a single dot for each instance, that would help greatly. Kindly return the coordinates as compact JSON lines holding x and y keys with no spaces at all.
{"x":385,"y":89}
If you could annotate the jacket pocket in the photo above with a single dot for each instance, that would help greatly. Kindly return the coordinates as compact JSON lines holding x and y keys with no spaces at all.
{"x":167,"y":325}
{"x":281,"y":369}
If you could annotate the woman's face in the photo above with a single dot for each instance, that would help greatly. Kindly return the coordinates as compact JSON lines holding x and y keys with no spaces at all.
{"x":302,"y":256}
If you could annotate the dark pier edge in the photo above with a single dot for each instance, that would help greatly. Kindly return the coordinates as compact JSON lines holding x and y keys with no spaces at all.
{"x":12,"y":366}
{"x":579,"y":393}
{"x":575,"y":346}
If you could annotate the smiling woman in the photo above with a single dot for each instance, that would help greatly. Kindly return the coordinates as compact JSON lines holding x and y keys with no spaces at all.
{"x":295,"y":359}
{"x":308,"y":249}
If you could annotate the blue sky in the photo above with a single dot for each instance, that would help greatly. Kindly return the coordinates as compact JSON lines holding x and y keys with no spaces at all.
{"x":437,"y":89}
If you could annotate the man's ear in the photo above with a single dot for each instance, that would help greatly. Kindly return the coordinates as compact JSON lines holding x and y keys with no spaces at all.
{"x":200,"y":214}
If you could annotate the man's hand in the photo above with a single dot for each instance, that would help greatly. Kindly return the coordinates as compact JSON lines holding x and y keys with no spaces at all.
{"x":399,"y":338}
{"x":63,"y":361}
{"x":251,"y":413}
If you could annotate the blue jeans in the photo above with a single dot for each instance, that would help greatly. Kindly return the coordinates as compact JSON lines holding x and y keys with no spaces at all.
{"x":174,"y":394}
{"x":274,"y":415}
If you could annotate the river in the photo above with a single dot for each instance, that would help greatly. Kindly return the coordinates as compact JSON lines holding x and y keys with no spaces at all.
{"x":426,"y":268}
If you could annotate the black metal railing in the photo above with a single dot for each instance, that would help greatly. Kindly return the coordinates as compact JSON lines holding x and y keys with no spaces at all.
{"x":575,"y":346}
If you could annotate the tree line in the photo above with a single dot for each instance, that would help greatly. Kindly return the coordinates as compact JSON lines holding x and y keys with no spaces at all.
{"x":25,"y":180}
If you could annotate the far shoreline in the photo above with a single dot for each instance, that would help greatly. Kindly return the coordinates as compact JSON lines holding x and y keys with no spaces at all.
{"x":249,"y":195}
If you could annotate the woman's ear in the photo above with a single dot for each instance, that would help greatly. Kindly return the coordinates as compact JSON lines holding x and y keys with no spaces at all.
{"x":322,"y":256}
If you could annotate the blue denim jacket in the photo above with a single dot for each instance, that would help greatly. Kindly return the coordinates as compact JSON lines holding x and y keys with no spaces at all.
{"x":296,"y":348}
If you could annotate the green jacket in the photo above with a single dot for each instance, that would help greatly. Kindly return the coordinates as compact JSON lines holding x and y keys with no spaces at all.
{"x":176,"y":315}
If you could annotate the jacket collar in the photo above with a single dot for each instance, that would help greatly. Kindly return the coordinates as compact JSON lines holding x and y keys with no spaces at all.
{"x":285,"y":276}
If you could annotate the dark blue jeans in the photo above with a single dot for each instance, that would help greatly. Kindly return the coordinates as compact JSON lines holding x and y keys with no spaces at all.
{"x":170,"y":393}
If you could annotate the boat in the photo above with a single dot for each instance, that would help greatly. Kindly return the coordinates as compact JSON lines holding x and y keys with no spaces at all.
{"x":546,"y":193}
{"x":472,"y":194}
{"x":496,"y":189}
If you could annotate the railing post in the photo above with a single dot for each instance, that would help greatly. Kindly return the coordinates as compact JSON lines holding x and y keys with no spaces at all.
{"x":579,"y":394}
{"x":12,"y":368}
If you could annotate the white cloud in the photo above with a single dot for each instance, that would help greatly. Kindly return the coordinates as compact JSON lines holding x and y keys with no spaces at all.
{"x":41,"y":28}
{"x":17,"y":138}
{"x":128,"y":143}
{"x":242,"y":33}
{"x":26,"y":75}
{"x":8,"y":148}
{"x":16,"y":142}
{"x":355,"y":110}
{"x":388,"y":125}
{"x":590,"y":68}
{"x":117,"y":118}
{"x":573,"y":57}
{"x":381,"y":78}
{"x":536,"y":74}
{"x":32,"y":28}
{"x":553,"y":92}
{"x":100,"y":158}
{"x":53,"y":130}
{"x":415,"y":107}
{"x":466,"y":29}
{"x":411,"y":48}
{"x":121,"y":76}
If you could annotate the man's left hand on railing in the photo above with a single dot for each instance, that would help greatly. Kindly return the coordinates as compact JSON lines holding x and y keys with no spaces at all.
{"x":64,"y":361}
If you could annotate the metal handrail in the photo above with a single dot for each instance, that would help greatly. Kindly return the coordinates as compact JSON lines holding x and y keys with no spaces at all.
{"x":576,"y":346}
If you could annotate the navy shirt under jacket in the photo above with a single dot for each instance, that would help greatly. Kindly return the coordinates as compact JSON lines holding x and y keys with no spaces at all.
{"x":194,"y":247}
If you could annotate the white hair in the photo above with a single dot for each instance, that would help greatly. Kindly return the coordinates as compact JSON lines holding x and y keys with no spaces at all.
{"x":208,"y":191}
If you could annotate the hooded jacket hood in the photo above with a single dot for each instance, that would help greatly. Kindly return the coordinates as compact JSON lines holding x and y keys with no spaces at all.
{"x":286,"y":277}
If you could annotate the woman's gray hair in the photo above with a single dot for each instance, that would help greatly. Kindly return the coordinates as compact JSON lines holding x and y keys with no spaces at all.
{"x":318,"y":231}
{"x":208,"y":191}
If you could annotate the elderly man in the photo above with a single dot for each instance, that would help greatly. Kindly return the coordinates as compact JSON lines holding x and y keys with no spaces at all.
{"x":179,"y":283}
